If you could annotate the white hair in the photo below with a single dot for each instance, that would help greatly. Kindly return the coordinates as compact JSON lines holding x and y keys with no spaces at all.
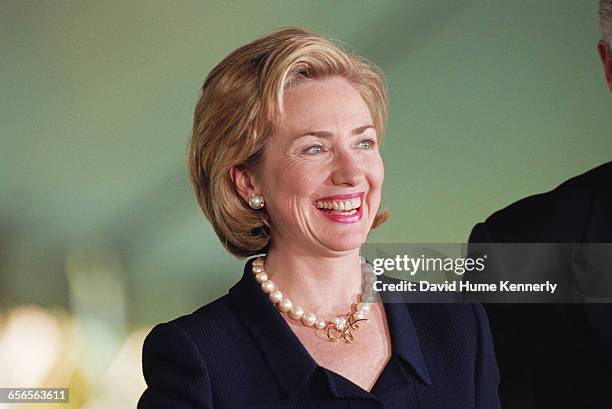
{"x":605,"y":20}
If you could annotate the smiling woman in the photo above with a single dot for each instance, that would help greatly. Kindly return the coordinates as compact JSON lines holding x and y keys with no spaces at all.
{"x":285,"y":163}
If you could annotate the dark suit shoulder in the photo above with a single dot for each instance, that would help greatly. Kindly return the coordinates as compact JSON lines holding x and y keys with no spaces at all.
{"x":174,"y":369}
{"x":211,"y":325}
{"x":560,"y":215}
{"x":214,"y":333}
{"x":210,"y":313}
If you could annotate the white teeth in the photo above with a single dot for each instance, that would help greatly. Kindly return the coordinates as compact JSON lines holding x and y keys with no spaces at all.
{"x":339,"y":205}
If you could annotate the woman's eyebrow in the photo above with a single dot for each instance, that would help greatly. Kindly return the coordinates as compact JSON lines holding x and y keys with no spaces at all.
{"x":326,"y":134}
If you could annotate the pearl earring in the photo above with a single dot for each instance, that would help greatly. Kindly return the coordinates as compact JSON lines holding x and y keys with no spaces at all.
{"x":256,"y":201}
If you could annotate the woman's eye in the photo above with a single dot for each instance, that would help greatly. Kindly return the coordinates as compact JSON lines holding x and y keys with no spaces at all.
{"x":367,"y":143}
{"x":313,"y":150}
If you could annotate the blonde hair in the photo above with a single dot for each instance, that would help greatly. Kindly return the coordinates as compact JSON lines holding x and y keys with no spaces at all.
{"x":239,"y":109}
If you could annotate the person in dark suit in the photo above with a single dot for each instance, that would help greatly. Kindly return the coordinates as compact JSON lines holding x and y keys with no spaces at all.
{"x":554,"y":355}
{"x":558,"y":355}
{"x":285,"y":164}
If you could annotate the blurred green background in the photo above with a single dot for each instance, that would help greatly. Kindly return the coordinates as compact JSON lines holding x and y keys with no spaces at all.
{"x":100,"y":234}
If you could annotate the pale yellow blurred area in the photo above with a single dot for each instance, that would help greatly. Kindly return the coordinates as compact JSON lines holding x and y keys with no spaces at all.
{"x":87,"y":349}
{"x":41,"y":348}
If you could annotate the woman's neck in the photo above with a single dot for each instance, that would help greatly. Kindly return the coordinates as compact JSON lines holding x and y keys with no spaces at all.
{"x":325,"y":285}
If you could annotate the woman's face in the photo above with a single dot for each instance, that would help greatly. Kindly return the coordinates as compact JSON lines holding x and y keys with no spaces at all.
{"x":322,"y":172}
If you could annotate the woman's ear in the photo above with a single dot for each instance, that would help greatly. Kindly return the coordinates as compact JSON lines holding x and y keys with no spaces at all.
{"x":605,"y":55}
{"x":244,"y":181}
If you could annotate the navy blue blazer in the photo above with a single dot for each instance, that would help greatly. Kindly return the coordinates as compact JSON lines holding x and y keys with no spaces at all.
{"x":239,"y":352}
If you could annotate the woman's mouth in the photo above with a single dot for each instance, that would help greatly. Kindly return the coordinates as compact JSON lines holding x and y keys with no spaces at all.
{"x":341,"y":208}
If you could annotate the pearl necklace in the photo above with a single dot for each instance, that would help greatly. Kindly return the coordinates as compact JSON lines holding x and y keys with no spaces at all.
{"x":338,"y":328}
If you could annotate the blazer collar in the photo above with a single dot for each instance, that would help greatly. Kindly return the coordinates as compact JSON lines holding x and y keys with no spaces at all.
{"x":288,"y":359}
{"x":404,"y":337}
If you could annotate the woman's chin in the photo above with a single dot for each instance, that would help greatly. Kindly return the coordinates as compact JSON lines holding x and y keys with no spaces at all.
{"x":343,"y":248}
{"x":344,"y":243}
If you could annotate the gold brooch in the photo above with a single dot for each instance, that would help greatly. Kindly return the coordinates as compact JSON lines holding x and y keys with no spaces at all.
{"x":340,"y":328}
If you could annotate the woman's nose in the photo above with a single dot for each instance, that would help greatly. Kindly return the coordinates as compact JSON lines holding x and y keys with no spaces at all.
{"x":346,"y":169}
